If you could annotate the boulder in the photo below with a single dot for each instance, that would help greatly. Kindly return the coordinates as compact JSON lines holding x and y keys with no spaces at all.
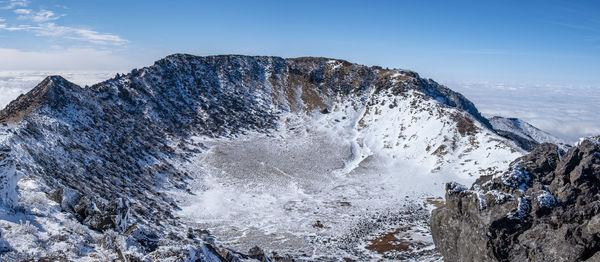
{"x":113,"y":216}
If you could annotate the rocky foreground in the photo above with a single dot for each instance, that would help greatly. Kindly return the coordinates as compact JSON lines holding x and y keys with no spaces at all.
{"x":546,"y":208}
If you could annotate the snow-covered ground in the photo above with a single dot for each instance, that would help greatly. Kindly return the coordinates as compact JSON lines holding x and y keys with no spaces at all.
{"x":38,"y":229}
{"x":524,"y":130}
{"x":356,"y":183}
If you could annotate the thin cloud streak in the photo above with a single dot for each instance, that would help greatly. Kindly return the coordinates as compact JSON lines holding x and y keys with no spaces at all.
{"x":54,"y":30}
{"x":65,"y":32}
{"x":38,"y":17}
{"x":43,"y":25}
{"x":575,"y":26}
{"x":513,"y":53}
{"x":13,"y":4}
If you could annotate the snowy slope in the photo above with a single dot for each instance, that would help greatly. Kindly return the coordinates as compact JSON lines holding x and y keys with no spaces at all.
{"x":313,"y":158}
{"x":347,"y":169}
{"x":525,"y":134}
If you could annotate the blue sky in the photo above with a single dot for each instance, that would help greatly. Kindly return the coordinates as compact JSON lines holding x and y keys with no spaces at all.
{"x":520,"y":41}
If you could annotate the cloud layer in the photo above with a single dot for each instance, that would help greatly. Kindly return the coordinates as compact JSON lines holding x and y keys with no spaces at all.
{"x":69,"y":59}
{"x":569,"y":112}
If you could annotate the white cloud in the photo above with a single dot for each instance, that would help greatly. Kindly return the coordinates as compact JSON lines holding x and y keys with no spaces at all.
{"x":567,"y":111}
{"x":38,"y":17}
{"x":40,"y":25}
{"x":66,"y":32}
{"x":87,"y":35}
{"x":21,"y":70}
{"x":22,"y":11}
{"x":45,"y":15}
{"x":14,"y":28}
{"x":13,"y":4}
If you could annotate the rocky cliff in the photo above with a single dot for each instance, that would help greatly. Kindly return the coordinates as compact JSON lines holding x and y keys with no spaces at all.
{"x":546,"y":208}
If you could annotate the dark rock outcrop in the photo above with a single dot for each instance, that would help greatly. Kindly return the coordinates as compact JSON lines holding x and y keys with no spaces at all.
{"x":546,"y":208}
{"x":99,"y":216}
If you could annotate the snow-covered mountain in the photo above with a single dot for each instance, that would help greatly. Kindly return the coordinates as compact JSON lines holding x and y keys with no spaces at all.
{"x":524,"y":134}
{"x":310,"y":158}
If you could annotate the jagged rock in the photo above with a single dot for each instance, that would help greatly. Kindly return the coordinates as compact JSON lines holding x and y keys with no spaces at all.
{"x":67,"y":198}
{"x":546,"y":208}
{"x":113,"y":216}
{"x":145,"y":238}
{"x":118,"y":211}
{"x":4,"y":247}
{"x":258,"y":254}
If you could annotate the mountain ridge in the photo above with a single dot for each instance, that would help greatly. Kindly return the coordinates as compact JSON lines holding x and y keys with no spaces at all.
{"x":86,"y":147}
{"x":433,"y":89}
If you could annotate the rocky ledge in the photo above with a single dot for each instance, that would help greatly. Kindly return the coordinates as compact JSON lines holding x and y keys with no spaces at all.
{"x":545,"y":208}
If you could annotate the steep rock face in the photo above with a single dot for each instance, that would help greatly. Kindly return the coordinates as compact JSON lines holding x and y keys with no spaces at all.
{"x":546,"y":208}
{"x":133,"y":129}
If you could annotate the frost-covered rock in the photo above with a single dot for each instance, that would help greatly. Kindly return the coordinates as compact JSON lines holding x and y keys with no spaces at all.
{"x":118,"y":211}
{"x":552,"y":213}
{"x":67,"y":198}
{"x":111,"y":216}
{"x":8,"y":179}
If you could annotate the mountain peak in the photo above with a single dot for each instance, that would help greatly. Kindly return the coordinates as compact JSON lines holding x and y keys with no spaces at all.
{"x":51,"y":91}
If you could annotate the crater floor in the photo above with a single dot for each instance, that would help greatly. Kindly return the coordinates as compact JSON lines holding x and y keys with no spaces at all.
{"x":292,"y":192}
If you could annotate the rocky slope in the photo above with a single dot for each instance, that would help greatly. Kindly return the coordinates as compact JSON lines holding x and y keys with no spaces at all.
{"x":122,"y":158}
{"x":545,"y":208}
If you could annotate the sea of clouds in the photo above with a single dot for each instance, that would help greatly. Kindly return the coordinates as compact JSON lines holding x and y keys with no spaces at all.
{"x":566,"y":111}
